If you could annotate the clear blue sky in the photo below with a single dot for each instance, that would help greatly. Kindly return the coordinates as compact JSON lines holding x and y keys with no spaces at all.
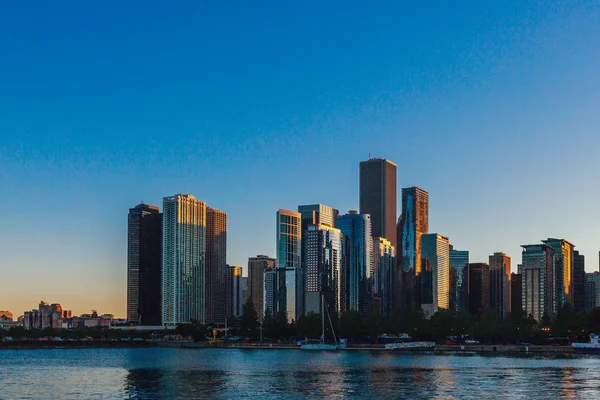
{"x":491,"y":106}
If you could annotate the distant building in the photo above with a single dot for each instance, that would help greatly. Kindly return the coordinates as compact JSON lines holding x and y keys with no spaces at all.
{"x":357,"y":258}
{"x":234,"y":291}
{"x":216,"y":308}
{"x":459,"y":280}
{"x":500,"y":284}
{"x":46,"y":316}
{"x":384,"y":273}
{"x":257,"y":267}
{"x":270,"y":292}
{"x":537,"y":272}
{"x":413,"y":223}
{"x":323,"y":245}
{"x":435,"y":273}
{"x":592,"y":290}
{"x":578,"y":281}
{"x":562,"y":274}
{"x":479,"y":287}
{"x":245,"y":291}
{"x":516,"y":291}
{"x":6,"y":315}
{"x":289,"y":294}
{"x":184,"y":260}
{"x":144,"y":258}
{"x":289,"y":263}
{"x":377,"y":196}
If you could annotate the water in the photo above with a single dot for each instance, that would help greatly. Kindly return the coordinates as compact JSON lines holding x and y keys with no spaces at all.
{"x":208,"y":373}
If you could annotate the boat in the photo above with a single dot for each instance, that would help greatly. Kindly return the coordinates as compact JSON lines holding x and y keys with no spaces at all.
{"x":592,"y":347}
{"x":322,"y":346}
{"x":410,"y":346}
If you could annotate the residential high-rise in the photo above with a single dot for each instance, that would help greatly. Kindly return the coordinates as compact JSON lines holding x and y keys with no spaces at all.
{"x":257,"y":266}
{"x":459,"y":280}
{"x":500,"y":284}
{"x":516,"y":291}
{"x":536,"y":274}
{"x":315,"y":214}
{"x":562,"y":273}
{"x":216,"y":266}
{"x":592,"y":290}
{"x":144,"y":244}
{"x":378,"y":196}
{"x":323,"y":245}
{"x":234,"y":291}
{"x":184,"y":257}
{"x":435,"y":273}
{"x":384,"y":275}
{"x":479,"y":287}
{"x":578,"y":281}
{"x":290,"y":284}
{"x":357,"y":258}
{"x":270,"y":292}
{"x":413,"y":223}
{"x":245,"y":291}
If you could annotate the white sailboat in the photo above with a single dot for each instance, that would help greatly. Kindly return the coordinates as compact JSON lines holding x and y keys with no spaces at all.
{"x":322,"y":345}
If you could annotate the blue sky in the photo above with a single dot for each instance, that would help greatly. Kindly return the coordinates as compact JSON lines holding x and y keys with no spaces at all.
{"x":493,"y":107}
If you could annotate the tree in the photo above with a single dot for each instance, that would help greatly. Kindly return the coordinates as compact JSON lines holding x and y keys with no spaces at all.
{"x":351,"y":324}
{"x":375,"y":324}
{"x":309,"y":325}
{"x":249,"y":319}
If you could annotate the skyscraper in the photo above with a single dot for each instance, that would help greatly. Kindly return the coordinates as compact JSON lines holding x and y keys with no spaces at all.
{"x":562,"y":273}
{"x":578,"y":281}
{"x":378,"y":196}
{"x":216,"y":265}
{"x":435,"y":273}
{"x":357,"y":258}
{"x":234,"y":291}
{"x":257,"y":266}
{"x":516,"y":291}
{"x":144,"y":233}
{"x":536,"y":276}
{"x":323,"y":263}
{"x":500,"y":284}
{"x":269,"y":292}
{"x":384,"y":276}
{"x":290,"y":284}
{"x":592,"y":290}
{"x":459,"y":279}
{"x":184,"y":255}
{"x":479,"y":287}
{"x":413,"y":223}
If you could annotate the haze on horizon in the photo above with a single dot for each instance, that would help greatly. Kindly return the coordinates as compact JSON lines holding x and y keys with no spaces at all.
{"x":492,"y":107}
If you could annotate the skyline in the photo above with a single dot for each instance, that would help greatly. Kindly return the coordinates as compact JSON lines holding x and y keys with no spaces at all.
{"x":98,"y":121}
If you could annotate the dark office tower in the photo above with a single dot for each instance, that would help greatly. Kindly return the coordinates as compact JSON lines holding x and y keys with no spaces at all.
{"x":257,"y":266}
{"x":144,"y":256}
{"x":384,"y":273}
{"x":479,"y":287}
{"x":579,"y":281}
{"x":234,"y":291}
{"x":516,"y":292}
{"x":500,"y":284}
{"x":357,"y":262}
{"x":413,"y":223}
{"x":378,"y":196}
{"x":216,"y":265}
{"x":459,"y":280}
{"x":536,"y":276}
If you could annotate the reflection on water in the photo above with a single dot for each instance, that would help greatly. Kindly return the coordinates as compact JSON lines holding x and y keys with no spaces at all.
{"x":190,"y":374}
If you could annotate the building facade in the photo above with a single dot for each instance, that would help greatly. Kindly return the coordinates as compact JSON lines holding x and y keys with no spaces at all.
{"x":269,"y":292}
{"x":377,"y":196}
{"x":357,"y":257}
{"x":257,"y":267}
{"x":459,"y":280}
{"x":536,"y":280}
{"x":479,"y":287}
{"x":578,"y":281}
{"x":500,"y":284}
{"x":184,"y":260}
{"x":290,"y":299}
{"x":435,"y":273}
{"x":234,"y":291}
{"x":216,"y":266}
{"x":516,"y":291}
{"x":413,"y":223}
{"x":384,"y":276}
{"x":323,"y":279}
{"x":144,"y":258}
{"x":562,"y":273}
{"x":592,"y":290}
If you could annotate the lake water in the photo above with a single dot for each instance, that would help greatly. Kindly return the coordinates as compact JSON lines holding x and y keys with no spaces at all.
{"x":160,"y":373}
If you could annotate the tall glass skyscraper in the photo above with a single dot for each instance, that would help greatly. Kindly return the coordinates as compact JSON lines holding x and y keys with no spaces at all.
{"x":216,"y":266}
{"x":459,"y":280}
{"x":144,"y":233}
{"x":562,"y":273}
{"x":536,"y":280}
{"x":500,"y":284}
{"x":323,"y":264}
{"x":378,"y":196}
{"x":257,"y":267}
{"x":413,"y":223}
{"x":357,"y":258}
{"x":184,"y":255}
{"x":435,"y":273}
{"x":290,"y":285}
{"x":578,"y":281}
{"x":384,"y":276}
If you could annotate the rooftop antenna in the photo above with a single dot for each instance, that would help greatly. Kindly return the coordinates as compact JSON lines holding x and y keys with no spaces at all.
{"x":369,"y":155}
